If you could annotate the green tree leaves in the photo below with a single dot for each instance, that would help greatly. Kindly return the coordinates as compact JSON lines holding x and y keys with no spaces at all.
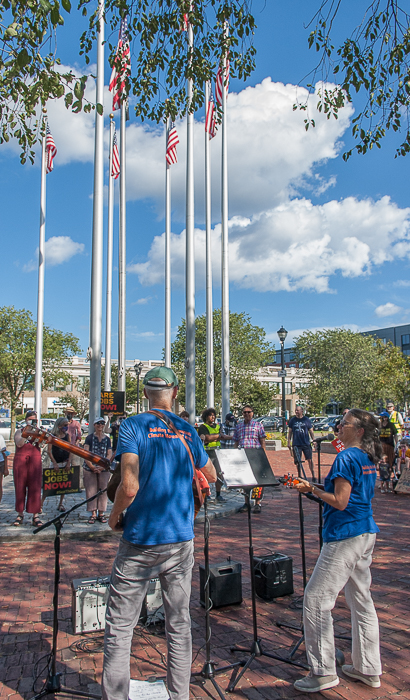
{"x":18,"y":354}
{"x":160,"y":59}
{"x":350,"y":368}
{"x":374,"y":61}
{"x":249,"y":351}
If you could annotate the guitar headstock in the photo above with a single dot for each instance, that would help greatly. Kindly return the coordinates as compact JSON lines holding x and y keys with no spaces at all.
{"x":34,"y":435}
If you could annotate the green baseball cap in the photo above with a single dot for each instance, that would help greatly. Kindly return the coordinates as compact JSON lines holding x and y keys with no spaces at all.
{"x":161,"y":378}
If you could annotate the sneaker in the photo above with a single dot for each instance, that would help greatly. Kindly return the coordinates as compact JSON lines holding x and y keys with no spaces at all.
{"x":315,"y":684}
{"x":373,"y":681}
{"x":257,"y":508}
{"x":243,"y":509}
{"x":221,"y":499}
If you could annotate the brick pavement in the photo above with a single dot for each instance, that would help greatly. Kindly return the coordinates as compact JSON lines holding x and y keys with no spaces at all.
{"x":25,"y":607}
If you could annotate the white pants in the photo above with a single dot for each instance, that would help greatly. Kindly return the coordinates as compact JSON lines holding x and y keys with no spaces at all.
{"x":342,"y":564}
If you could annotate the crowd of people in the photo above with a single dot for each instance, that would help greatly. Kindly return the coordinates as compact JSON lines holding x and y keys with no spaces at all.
{"x":159,"y":454}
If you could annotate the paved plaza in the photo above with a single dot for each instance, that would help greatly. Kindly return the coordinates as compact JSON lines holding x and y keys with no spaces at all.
{"x":27,"y":581}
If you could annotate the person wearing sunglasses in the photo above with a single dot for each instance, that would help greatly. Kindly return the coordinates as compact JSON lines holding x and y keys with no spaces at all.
{"x":250,"y":433}
{"x":349,"y":535}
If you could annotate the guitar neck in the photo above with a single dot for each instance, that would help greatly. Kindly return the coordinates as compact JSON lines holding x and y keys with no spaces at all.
{"x":81,"y":452}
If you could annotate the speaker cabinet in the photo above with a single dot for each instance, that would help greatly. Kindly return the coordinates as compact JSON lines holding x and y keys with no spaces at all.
{"x":273,"y":576}
{"x":225,"y":583}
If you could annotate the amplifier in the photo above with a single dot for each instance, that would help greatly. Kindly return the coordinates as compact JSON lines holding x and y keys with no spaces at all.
{"x":225,"y":583}
{"x":89,"y":602}
{"x":273,"y":576}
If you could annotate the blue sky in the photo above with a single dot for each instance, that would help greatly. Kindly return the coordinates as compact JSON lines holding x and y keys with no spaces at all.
{"x":314,"y":242}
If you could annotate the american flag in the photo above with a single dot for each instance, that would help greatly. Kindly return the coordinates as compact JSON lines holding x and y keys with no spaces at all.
{"x":210,"y":121}
{"x":173,"y":140}
{"x":121,"y":68}
{"x":51,"y":150}
{"x":219,"y":83}
{"x":115,"y":167}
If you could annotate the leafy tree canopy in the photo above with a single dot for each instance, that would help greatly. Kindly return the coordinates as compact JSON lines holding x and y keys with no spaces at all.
{"x":160,"y":61}
{"x":373,"y":61}
{"x":249,"y":351}
{"x":18,"y":355}
{"x":351,"y":369}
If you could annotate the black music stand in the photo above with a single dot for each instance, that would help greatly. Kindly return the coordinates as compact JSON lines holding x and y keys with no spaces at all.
{"x":208,"y":671}
{"x":52,"y":684}
{"x":262,"y":476}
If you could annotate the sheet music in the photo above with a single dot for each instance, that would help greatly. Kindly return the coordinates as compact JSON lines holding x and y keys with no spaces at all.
{"x":236,"y":468}
{"x":144,"y":690}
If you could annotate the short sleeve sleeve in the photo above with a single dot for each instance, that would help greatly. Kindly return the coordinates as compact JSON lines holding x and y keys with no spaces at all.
{"x":261,"y":432}
{"x":128,"y":438}
{"x":344,"y":468}
{"x":236,"y":434}
{"x":89,"y":440}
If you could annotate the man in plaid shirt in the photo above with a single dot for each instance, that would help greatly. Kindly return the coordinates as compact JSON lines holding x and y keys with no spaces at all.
{"x":250,"y":433}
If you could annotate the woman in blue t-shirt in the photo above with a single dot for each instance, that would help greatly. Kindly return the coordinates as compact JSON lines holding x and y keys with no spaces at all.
{"x":349,"y":534}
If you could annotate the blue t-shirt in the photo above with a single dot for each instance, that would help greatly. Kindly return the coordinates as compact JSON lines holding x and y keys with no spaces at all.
{"x":163,"y":510}
{"x":355,"y":466}
{"x":300,"y":430}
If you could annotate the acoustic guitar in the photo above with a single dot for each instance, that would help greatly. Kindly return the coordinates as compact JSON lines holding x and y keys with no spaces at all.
{"x":37,"y":436}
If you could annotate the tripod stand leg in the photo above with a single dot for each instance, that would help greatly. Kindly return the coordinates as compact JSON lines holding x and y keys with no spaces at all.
{"x":235,"y":678}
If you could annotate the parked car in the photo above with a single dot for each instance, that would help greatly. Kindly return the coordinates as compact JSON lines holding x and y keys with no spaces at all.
{"x":333,"y":420}
{"x":47,"y":423}
{"x":322,"y":424}
{"x":271,"y":423}
{"x":5,"y":429}
{"x":84,"y":426}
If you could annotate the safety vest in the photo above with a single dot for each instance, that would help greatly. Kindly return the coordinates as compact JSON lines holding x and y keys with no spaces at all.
{"x":212,"y":430}
{"x":394,"y":418}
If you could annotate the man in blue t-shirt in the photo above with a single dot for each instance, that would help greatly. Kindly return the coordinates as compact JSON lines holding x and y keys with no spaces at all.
{"x":301,"y":429}
{"x":156,"y":494}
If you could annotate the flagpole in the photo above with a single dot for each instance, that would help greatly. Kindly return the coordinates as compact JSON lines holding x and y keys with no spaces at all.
{"x":210,"y":380}
{"x":122,"y":256}
{"x":94,"y":352}
{"x":40,"y":293}
{"x":108,"y":314}
{"x":225,"y":379}
{"x":190,"y":254}
{"x":167,"y":252}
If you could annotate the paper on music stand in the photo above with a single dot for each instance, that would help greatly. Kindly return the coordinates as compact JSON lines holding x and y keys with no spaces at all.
{"x":236,"y":469}
{"x":144,"y":690}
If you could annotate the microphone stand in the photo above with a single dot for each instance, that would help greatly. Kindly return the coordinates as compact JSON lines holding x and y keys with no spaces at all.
{"x":52,"y":684}
{"x":208,"y":671}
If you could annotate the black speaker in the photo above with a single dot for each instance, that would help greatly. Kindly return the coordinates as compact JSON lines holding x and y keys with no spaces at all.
{"x":273,"y":575}
{"x":225,"y":583}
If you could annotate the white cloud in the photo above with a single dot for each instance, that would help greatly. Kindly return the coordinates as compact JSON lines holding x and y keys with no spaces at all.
{"x":270,"y":155}
{"x":294,"y":246}
{"x":401,"y":283}
{"x":388,"y":309}
{"x":58,"y":249}
{"x":142,"y":301}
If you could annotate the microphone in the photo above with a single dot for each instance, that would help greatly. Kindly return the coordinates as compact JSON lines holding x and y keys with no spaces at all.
{"x":329,"y":437}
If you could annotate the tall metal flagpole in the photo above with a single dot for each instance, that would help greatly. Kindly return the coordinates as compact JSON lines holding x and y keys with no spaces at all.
{"x":226,"y":401}
{"x":108,"y":312}
{"x":122,"y":256}
{"x":167,"y":252}
{"x":94,"y":351}
{"x":210,"y":380}
{"x":40,"y":297}
{"x":190,"y":255}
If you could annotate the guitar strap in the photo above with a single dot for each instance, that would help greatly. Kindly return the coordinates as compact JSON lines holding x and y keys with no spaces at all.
{"x":197,"y":479}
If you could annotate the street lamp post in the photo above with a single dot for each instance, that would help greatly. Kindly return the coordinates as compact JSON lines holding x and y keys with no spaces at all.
{"x":138,"y":367}
{"x":282,"y":333}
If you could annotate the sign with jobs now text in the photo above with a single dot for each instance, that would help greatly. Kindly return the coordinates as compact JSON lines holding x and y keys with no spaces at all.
{"x":59,"y":481}
{"x":112,"y":402}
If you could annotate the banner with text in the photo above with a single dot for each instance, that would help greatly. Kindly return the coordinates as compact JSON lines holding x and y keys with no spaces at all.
{"x":59,"y":481}
{"x":112,"y":402}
